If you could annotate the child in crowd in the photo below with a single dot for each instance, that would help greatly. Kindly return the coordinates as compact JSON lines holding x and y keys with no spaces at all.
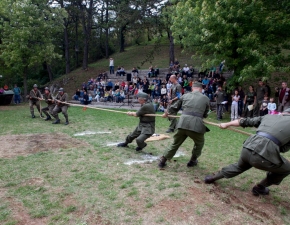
{"x":272,"y":107}
{"x":264,"y":107}
{"x":234,"y":109}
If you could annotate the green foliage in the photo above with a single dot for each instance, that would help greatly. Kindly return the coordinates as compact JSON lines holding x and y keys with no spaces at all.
{"x":249,"y":35}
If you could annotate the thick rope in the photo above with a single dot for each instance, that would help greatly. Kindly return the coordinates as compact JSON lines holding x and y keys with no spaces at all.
{"x":157,"y":115}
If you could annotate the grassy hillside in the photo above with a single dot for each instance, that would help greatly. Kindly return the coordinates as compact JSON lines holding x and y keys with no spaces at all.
{"x":141,"y":56}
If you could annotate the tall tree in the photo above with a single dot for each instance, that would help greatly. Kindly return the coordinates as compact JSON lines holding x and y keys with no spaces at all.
{"x":249,"y":35}
{"x":28,"y":33}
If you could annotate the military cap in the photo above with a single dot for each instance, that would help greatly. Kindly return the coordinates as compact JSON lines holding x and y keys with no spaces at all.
{"x":35,"y":86}
{"x":60,"y":90}
{"x":287,"y":110}
{"x":197,"y":84}
{"x":142,"y":95}
{"x":46,"y":88}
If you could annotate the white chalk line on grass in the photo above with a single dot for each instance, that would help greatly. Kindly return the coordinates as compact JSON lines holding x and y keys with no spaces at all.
{"x":147,"y":158}
{"x":92,"y":133}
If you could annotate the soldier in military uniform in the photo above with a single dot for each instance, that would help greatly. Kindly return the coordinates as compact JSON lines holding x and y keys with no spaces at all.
{"x":195,"y":107}
{"x":146,"y":126}
{"x":261,"y":150}
{"x":60,"y":106}
{"x":175,"y":94}
{"x":34,"y":97}
{"x":219,"y":96}
{"x":50,"y":104}
{"x":261,"y":92}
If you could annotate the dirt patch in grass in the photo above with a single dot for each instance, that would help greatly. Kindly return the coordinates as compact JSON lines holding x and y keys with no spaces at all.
{"x":207,"y":204}
{"x":21,"y":145}
{"x":21,"y":215}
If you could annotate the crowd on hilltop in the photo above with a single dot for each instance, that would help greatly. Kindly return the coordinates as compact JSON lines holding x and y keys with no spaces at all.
{"x":241,"y":103}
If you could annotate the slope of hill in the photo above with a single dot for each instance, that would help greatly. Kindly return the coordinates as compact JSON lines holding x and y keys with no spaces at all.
{"x":140,"y":56}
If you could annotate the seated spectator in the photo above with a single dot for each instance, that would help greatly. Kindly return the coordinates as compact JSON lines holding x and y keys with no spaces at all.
{"x":90,"y":99}
{"x":205,"y":82}
{"x":85,"y":99}
{"x":98,"y":96}
{"x":122,"y":96}
{"x":164,"y":101}
{"x":155,"y":104}
{"x":190,"y":72}
{"x":176,"y":63}
{"x":109,"y":85}
{"x":171,"y":65}
{"x":135,"y":72}
{"x":160,"y":108}
{"x":1,"y":90}
{"x":156,"y":71}
{"x":120,"y":71}
{"x":168,"y":86}
{"x":135,"y":80}
{"x":77,"y":95}
{"x":185,"y":70}
{"x":117,"y":85}
{"x":156,"y":93}
{"x":163,"y":91}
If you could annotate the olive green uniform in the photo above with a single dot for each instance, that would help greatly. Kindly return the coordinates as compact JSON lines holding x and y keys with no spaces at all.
{"x":174,"y":92}
{"x":146,"y":126}
{"x":50,"y":105}
{"x":33,"y":100}
{"x":195,"y":107}
{"x":220,"y":96}
{"x":264,"y":152}
{"x":59,"y":107}
{"x":261,"y":92}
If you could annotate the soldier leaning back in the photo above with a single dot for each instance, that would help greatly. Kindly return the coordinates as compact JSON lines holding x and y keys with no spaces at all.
{"x":60,"y":106}
{"x":146,"y":126}
{"x":50,"y":104}
{"x":34,"y":97}
{"x":175,"y":94}
{"x":261,"y":151}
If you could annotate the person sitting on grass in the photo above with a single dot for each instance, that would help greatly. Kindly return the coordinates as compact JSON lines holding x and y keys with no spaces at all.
{"x":146,"y":126}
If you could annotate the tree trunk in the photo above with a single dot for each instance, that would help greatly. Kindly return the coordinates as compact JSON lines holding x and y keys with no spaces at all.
{"x":50,"y":74}
{"x":66,"y":49}
{"x":122,"y":38}
{"x":171,"y":47}
{"x":107,"y":30}
{"x":25,"y":82}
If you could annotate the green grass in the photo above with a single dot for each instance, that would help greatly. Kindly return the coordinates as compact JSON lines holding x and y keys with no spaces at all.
{"x":79,"y":185}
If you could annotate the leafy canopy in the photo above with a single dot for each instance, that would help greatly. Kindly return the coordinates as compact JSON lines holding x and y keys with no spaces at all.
{"x":250,"y":35}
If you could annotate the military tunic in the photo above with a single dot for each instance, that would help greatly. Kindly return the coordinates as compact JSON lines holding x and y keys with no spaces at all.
{"x":60,"y":107}
{"x":33,"y":100}
{"x":50,"y":104}
{"x":264,"y":152}
{"x":146,"y":126}
{"x":261,"y":92}
{"x":220,"y":96}
{"x":195,"y":107}
{"x":175,"y":91}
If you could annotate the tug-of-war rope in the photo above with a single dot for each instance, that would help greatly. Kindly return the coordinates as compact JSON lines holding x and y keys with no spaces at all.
{"x":156,"y":115}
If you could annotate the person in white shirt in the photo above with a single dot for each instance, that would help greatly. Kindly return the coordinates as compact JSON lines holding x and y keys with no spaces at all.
{"x":234,"y":109}
{"x":185,"y":70}
{"x":111,"y":65}
{"x":272,"y":107}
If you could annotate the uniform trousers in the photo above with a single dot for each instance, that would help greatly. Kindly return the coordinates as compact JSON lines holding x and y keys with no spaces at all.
{"x":249,"y":159}
{"x":180,"y":137}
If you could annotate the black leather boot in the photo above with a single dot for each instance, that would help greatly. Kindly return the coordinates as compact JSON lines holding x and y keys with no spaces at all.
{"x":212,"y":178}
{"x":260,"y":190}
{"x":48,"y":118}
{"x":162,"y":162}
{"x":192,"y":162}
{"x":56,"y":122}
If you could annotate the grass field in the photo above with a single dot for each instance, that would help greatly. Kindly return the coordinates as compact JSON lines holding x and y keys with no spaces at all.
{"x":50,"y":176}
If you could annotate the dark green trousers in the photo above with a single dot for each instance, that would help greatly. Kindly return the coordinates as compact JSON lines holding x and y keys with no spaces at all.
{"x":180,"y":137}
{"x":139,"y":136}
{"x":249,"y":159}
{"x":173,"y":123}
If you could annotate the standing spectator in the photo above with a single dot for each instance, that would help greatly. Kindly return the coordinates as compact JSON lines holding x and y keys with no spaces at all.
{"x":249,"y":102}
{"x":261,"y":92}
{"x":272,"y":107}
{"x":264,"y":107}
{"x":219,"y":96}
{"x":111,"y":66}
{"x":175,"y":94}
{"x":17,"y":93}
{"x":283,"y":97}
{"x":163,"y":91}
{"x":241,"y":101}
{"x":235,"y":102}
